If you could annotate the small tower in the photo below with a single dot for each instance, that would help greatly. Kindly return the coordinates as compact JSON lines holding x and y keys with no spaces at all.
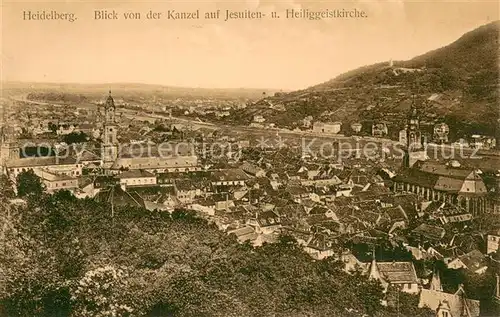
{"x":110,"y":142}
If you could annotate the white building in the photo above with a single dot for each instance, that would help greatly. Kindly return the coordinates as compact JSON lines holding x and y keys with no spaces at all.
{"x":55,"y":182}
{"x":492,"y":242}
{"x":53,"y":164}
{"x":136,"y":178}
{"x":331,"y":128}
{"x":399,"y":274}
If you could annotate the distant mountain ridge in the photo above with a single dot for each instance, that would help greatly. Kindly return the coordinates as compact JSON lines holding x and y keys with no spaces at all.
{"x":126,"y":88}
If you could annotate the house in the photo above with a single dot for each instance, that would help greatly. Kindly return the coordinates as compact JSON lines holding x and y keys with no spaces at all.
{"x":206,"y":206}
{"x":258,"y":119}
{"x":253,"y":170}
{"x":402,"y":275}
{"x":321,"y":210}
{"x":65,"y":129}
{"x":356,"y":127}
{"x":331,"y":128}
{"x":136,"y":178}
{"x":379,"y":130}
{"x":473,"y":261}
{"x":449,"y":305}
{"x":307,"y":121}
{"x":244,"y":234}
{"x":54,"y":182}
{"x":320,"y":247}
{"x":185,"y":190}
{"x":229,"y":177}
{"x":428,"y":233}
{"x":343,"y":190}
{"x":222,"y":202}
{"x":492,"y":241}
{"x":397,"y":217}
{"x":297,"y":192}
{"x":482,"y":142}
{"x":266,"y":222}
{"x":57,"y":165}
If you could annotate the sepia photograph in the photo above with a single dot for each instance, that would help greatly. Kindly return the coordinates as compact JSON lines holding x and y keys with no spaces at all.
{"x":250,"y":158}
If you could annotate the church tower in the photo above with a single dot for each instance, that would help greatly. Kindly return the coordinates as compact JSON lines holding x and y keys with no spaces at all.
{"x":414,"y":150}
{"x":413,"y":134}
{"x":110,"y":142}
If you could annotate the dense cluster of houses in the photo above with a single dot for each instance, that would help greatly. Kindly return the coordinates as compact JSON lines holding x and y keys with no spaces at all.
{"x":426,"y":209}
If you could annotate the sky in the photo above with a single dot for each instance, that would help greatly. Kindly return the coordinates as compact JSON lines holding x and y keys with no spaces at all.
{"x":268,"y":53}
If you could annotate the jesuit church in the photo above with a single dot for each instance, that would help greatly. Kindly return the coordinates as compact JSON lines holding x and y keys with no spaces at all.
{"x":434,"y":180}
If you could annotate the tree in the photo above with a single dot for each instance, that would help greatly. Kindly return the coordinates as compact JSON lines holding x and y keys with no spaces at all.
{"x":7,"y":188}
{"x":29,"y":184}
{"x":75,"y":137}
{"x":98,"y":294}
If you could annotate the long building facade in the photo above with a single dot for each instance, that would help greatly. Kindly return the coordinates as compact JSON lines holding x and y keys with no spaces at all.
{"x":435,"y":181}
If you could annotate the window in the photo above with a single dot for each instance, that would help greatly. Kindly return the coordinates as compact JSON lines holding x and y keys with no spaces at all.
{"x":445,"y":314}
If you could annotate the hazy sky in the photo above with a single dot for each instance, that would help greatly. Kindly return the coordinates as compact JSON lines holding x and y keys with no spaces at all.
{"x":280,"y":53}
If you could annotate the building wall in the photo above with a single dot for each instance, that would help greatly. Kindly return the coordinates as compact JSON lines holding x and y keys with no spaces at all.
{"x":326,"y":128}
{"x":411,"y":288}
{"x":159,"y":163}
{"x":73,"y":170}
{"x":52,"y":186}
{"x":135,"y":181}
{"x":493,"y":241}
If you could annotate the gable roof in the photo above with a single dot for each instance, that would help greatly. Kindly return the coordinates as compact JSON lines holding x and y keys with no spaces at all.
{"x":429,"y":232}
{"x":458,"y":305}
{"x":135,"y":174}
{"x":397,"y":272}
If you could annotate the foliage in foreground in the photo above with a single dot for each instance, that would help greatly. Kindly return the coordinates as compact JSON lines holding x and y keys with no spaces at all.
{"x":68,"y":257}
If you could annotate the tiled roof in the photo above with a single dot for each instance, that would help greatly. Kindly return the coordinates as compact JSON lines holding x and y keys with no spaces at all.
{"x":430,"y":232}
{"x":474,"y":260}
{"x":135,"y":174}
{"x":397,"y":272}
{"x":438,"y":168}
{"x":235,"y":174}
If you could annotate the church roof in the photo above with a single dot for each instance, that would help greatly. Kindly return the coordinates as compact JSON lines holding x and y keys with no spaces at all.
{"x":443,"y":178}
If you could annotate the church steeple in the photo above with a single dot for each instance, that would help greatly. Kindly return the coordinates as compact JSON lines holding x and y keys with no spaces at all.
{"x":414,"y":150}
{"x":414,"y":137}
{"x":110,"y":141}
{"x":435,"y":284}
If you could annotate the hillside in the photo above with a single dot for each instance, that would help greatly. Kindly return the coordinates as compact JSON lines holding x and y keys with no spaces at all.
{"x":462,"y":79}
